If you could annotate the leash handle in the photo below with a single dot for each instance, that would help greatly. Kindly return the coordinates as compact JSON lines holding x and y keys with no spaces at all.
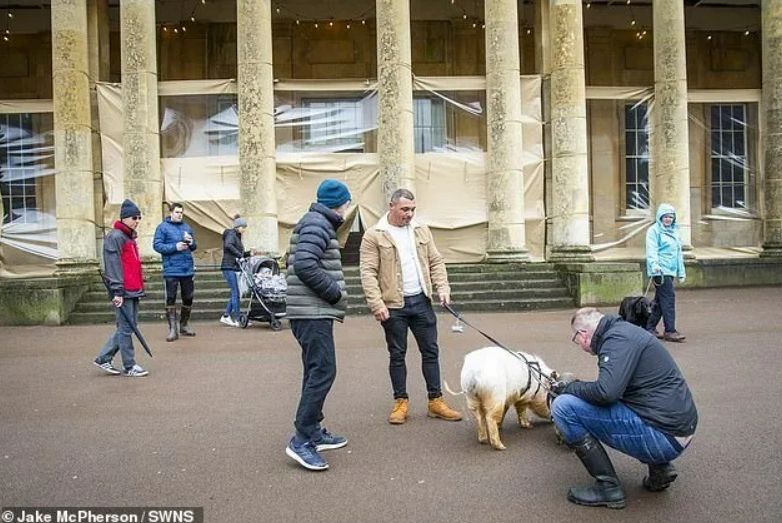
{"x":648,"y":286}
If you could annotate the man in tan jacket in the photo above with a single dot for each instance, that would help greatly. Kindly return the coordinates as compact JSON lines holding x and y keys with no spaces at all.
{"x":399,"y":266}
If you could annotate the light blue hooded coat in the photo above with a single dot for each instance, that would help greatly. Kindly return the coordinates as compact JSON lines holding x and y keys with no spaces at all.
{"x":663,"y":246}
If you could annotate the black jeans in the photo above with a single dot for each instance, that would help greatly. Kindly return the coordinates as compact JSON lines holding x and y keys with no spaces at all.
{"x":319,"y":360}
{"x":187,"y":286}
{"x":418,"y":316}
{"x":664,"y":306}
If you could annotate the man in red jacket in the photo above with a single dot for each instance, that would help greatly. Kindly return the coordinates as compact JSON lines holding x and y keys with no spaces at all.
{"x":122,"y":271}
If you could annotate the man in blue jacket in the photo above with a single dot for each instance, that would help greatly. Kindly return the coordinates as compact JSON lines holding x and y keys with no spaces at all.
{"x":175,"y":242}
{"x":640,"y":405}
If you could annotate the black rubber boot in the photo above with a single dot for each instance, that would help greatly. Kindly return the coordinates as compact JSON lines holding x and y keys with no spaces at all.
{"x":184,"y":318}
{"x":660,"y":477}
{"x":607,"y":490}
{"x":171,"y":317}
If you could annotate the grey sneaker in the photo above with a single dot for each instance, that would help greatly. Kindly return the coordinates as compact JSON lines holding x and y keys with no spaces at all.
{"x":107,"y":367}
{"x":136,"y":372}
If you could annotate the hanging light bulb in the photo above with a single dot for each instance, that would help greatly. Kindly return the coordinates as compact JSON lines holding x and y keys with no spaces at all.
{"x":347,"y":26}
{"x":10,"y":14}
{"x":203,"y":2}
{"x":529,"y":31}
{"x":316,"y":25}
{"x":483,"y":26}
{"x":708,"y":37}
{"x":628,"y":2}
{"x":363,"y":22}
{"x":589,"y":5}
{"x":5,"y":38}
{"x":746,"y":33}
{"x":632,"y":22}
{"x":464,"y":16}
{"x":192,"y":18}
{"x":176,"y":30}
{"x":184,"y":29}
{"x":165,"y":29}
{"x":331,"y":24}
{"x":278,"y":10}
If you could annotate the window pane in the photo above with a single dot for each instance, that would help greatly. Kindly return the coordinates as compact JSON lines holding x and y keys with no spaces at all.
{"x":630,"y":149}
{"x":630,"y":170}
{"x":715,"y":116}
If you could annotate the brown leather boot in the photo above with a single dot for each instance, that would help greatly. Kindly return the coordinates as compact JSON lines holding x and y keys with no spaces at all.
{"x":675,"y":336}
{"x":399,"y":412}
{"x":439,"y":409}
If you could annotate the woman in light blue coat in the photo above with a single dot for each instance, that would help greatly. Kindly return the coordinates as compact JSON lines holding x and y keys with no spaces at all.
{"x":664,"y":262}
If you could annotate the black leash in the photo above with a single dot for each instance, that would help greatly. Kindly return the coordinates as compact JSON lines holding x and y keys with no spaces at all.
{"x":533,"y":366}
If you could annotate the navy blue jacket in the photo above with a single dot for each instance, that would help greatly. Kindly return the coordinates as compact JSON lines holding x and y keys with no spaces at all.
{"x":635,"y":368}
{"x":176,"y":264}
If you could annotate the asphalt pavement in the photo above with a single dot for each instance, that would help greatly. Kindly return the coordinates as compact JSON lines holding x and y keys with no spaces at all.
{"x":209,"y":425}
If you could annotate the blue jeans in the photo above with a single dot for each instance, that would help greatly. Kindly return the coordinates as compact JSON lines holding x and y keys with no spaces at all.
{"x":122,"y":338}
{"x":616,"y":425}
{"x":418,"y":316}
{"x":319,"y":360}
{"x":664,"y":305}
{"x":232,"y":309}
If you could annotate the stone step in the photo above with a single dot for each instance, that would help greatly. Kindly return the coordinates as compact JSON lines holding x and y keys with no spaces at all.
{"x":213,"y":301}
{"x":147,"y":314}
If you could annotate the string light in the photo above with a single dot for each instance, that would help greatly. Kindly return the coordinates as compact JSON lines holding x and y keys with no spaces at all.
{"x":176,"y":30}
{"x":464,"y":16}
{"x":298,"y":21}
{"x":347,"y":26}
{"x":192,"y":18}
{"x":632,"y":22}
{"x":474,"y":25}
{"x":589,"y":5}
{"x":363,"y":22}
{"x":628,"y":2}
{"x":746,"y":33}
{"x":278,"y":10}
{"x":708,"y":37}
{"x":529,"y":31}
{"x":10,"y":14}
{"x":316,"y":25}
{"x":165,"y":29}
{"x":331,"y":24}
{"x":184,"y":29}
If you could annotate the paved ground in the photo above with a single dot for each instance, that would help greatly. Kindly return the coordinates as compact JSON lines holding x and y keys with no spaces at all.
{"x":209,"y":425}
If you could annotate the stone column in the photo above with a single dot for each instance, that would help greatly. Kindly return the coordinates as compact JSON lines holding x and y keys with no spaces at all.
{"x":395,"y":146}
{"x":505,"y":175}
{"x":98,"y":49}
{"x":670,"y":156}
{"x":72,"y":136}
{"x":141,"y":144}
{"x":569,"y":162}
{"x":257,"y":164}
{"x":771,"y":12}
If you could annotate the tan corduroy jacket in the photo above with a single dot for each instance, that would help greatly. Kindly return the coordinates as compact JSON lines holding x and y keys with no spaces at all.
{"x":381,"y":269}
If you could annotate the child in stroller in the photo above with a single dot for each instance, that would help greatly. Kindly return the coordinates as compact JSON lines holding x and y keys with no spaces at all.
{"x":261,"y":278}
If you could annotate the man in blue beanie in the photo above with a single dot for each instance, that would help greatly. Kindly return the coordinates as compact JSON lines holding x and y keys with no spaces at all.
{"x":125,"y":281}
{"x":316,"y":297}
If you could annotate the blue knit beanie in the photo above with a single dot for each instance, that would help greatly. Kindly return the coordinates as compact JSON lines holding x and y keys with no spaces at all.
{"x":333,"y":193}
{"x":128,"y":209}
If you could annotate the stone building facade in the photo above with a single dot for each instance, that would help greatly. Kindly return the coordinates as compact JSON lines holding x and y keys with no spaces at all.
{"x":643,"y":102}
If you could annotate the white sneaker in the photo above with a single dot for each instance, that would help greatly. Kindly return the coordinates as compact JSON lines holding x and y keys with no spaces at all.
{"x":228,"y":321}
{"x":107,"y":367}
{"x":136,"y":372}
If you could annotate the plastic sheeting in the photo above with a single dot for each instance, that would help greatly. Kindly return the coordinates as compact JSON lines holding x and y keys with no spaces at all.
{"x":724,"y":138}
{"x":28,"y":237}
{"x":327,"y":129}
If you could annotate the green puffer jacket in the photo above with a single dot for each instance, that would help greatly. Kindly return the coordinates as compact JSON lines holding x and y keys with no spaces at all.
{"x":316,"y":284}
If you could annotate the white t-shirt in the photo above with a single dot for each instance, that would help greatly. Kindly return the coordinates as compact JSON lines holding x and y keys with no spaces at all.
{"x":405,"y":246}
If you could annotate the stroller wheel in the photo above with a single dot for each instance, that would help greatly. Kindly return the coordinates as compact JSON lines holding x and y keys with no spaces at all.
{"x":276,"y":325}
{"x":244,"y":320}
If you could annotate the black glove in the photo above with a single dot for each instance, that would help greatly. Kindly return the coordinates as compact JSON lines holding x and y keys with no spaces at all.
{"x":558,"y":387}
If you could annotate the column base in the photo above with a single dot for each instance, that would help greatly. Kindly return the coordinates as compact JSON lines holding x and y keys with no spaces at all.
{"x":571,"y":254}
{"x":507,"y":256}
{"x":71,"y":266}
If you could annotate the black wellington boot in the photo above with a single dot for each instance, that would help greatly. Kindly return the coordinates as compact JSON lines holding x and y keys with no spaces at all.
{"x":184,"y":319}
{"x":660,"y":477}
{"x":171,"y":317}
{"x":607,"y":490}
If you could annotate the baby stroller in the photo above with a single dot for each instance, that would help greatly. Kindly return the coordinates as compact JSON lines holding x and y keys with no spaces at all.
{"x":267,"y":288}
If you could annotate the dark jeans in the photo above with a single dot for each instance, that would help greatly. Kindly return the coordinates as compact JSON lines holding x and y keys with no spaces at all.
{"x":319,"y":360}
{"x":232,"y":309}
{"x":122,"y":338}
{"x":616,"y":425}
{"x":187,"y":286}
{"x":418,"y":316}
{"x":664,"y":306}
